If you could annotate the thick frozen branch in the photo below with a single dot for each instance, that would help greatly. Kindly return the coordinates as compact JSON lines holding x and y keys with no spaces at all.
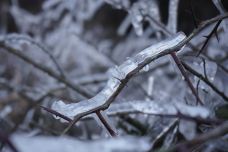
{"x":119,"y":76}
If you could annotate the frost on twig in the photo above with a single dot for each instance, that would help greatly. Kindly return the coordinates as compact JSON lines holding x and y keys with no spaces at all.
{"x":119,"y":76}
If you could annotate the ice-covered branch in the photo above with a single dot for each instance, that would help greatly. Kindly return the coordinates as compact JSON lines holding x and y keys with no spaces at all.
{"x":173,"y":15}
{"x":119,"y":76}
{"x":159,"y":108}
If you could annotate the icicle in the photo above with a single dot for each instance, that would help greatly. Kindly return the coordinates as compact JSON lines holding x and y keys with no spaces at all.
{"x":150,"y":87}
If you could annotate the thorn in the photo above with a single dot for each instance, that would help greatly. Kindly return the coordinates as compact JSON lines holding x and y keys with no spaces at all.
{"x":216,"y":35}
{"x":56,"y":113}
{"x":206,"y":36}
{"x":214,"y":30}
{"x":184,"y":74}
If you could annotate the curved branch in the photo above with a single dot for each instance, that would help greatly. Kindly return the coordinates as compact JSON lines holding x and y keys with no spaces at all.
{"x":119,"y":76}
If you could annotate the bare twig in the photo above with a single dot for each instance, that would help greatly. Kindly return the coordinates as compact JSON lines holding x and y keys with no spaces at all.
{"x":182,"y":70}
{"x":213,"y":134}
{"x":5,"y":139}
{"x":195,"y":32}
{"x":209,"y":37}
{"x":106,"y":124}
{"x":191,"y":70}
{"x":164,"y":132}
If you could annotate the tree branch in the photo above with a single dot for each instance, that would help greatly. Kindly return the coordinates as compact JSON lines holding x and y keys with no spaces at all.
{"x":191,"y":70}
{"x":118,"y":79}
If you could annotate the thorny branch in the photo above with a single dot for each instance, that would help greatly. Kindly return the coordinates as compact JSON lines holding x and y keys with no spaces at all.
{"x":105,"y":105}
{"x":5,"y":140}
{"x":214,"y":31}
{"x":18,"y":53}
{"x":50,"y":72}
{"x":166,"y":114}
{"x":196,"y":31}
{"x":119,"y":77}
{"x":203,"y":78}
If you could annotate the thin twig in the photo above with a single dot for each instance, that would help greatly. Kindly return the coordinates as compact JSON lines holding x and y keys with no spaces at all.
{"x":39,"y":45}
{"x":5,"y":139}
{"x":45,"y":69}
{"x":213,"y":134}
{"x":209,"y":37}
{"x":191,"y":70}
{"x":56,"y":113}
{"x":188,"y":81}
{"x":106,"y":124}
{"x":85,"y":93}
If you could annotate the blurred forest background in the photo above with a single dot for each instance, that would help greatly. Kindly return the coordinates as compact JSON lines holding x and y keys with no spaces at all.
{"x":57,"y":52}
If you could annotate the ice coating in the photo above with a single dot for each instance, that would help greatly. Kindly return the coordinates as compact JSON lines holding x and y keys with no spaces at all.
{"x":161,"y":46}
{"x":119,"y":76}
{"x":152,"y":107}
